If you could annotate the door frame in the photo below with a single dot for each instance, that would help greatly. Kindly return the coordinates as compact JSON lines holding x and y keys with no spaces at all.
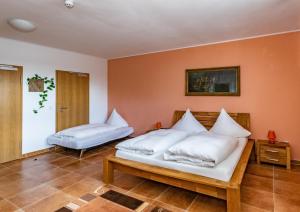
{"x":56,"y":94}
{"x":20,"y":69}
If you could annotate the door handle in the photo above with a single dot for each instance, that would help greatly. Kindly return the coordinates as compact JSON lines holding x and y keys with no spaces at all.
{"x":273,"y":151}
{"x":272,"y":159}
{"x":63,"y":108}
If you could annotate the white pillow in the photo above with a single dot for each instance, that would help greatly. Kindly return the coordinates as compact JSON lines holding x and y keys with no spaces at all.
{"x":116,"y":119}
{"x":189,"y":124}
{"x":225,"y":125}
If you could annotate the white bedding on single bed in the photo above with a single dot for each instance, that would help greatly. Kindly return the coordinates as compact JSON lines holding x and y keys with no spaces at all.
{"x":223,"y":171}
{"x":95,"y":140}
{"x":86,"y":130}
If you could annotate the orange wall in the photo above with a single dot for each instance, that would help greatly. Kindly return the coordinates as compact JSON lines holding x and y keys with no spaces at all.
{"x":148,"y":88}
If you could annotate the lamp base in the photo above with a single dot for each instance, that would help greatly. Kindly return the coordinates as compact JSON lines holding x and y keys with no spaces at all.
{"x":272,"y":141}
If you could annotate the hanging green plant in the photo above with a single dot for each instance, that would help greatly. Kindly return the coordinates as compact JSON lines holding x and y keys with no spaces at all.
{"x":37,"y":84}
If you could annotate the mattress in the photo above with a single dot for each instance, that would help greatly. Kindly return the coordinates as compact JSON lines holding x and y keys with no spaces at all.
{"x":223,"y":171}
{"x":92,"y":141}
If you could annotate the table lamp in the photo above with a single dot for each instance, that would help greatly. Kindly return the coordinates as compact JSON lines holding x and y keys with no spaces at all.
{"x":272,"y":137}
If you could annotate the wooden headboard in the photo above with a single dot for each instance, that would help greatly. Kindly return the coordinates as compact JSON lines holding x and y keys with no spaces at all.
{"x":208,"y":119}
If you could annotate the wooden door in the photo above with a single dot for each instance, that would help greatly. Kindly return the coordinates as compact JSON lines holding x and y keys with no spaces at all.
{"x":72,"y":99}
{"x":10,"y":112}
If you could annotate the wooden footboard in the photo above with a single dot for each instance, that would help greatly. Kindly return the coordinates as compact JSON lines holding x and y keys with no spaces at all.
{"x":229,"y":191}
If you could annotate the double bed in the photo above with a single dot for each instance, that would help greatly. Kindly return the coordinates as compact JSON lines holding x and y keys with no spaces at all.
{"x":222,"y":181}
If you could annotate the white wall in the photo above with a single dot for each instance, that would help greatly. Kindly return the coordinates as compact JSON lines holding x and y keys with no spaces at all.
{"x":43,"y":61}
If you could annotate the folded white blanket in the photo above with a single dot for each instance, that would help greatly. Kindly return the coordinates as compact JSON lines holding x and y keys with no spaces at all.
{"x":205,"y":149}
{"x":155,"y":141}
{"x":84,"y":131}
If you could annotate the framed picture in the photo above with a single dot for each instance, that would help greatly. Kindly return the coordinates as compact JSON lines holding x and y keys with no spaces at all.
{"x":223,"y":81}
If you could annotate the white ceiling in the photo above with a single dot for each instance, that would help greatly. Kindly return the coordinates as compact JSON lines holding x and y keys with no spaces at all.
{"x":117,"y":28}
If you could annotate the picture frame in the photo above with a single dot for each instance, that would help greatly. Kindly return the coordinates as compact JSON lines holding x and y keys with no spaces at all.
{"x":219,"y":81}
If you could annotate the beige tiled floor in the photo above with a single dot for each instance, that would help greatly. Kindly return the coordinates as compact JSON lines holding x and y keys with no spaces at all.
{"x":50,"y":181}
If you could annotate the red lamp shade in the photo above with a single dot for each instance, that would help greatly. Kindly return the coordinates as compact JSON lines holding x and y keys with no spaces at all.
{"x":271,"y":136}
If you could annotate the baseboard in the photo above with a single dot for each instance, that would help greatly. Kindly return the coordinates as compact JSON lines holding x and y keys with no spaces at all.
{"x":39,"y":152}
{"x":295,"y":162}
{"x":42,"y":151}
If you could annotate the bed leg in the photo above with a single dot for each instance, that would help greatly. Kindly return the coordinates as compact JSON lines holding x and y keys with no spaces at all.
{"x":233,"y":199}
{"x":108,"y":171}
{"x":81,"y":153}
{"x":55,"y":148}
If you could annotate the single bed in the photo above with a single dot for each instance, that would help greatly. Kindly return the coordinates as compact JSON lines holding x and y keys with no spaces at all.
{"x":91,"y":141}
{"x":209,"y":183}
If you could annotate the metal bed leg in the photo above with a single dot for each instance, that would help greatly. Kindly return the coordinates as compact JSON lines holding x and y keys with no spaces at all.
{"x":81,"y":153}
{"x":55,"y":148}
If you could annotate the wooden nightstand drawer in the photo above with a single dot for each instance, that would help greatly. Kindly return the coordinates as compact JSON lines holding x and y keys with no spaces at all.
{"x":275,"y":160}
{"x":272,"y":151}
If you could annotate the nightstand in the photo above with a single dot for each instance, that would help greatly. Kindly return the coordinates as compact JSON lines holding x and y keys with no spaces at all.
{"x":278,"y":153}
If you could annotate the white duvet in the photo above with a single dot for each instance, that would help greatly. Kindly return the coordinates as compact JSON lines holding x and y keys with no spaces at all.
{"x":205,"y":149}
{"x":153,"y":142}
{"x":84,"y":131}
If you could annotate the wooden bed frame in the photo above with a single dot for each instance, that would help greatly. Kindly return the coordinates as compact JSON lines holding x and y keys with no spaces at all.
{"x":229,"y":191}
